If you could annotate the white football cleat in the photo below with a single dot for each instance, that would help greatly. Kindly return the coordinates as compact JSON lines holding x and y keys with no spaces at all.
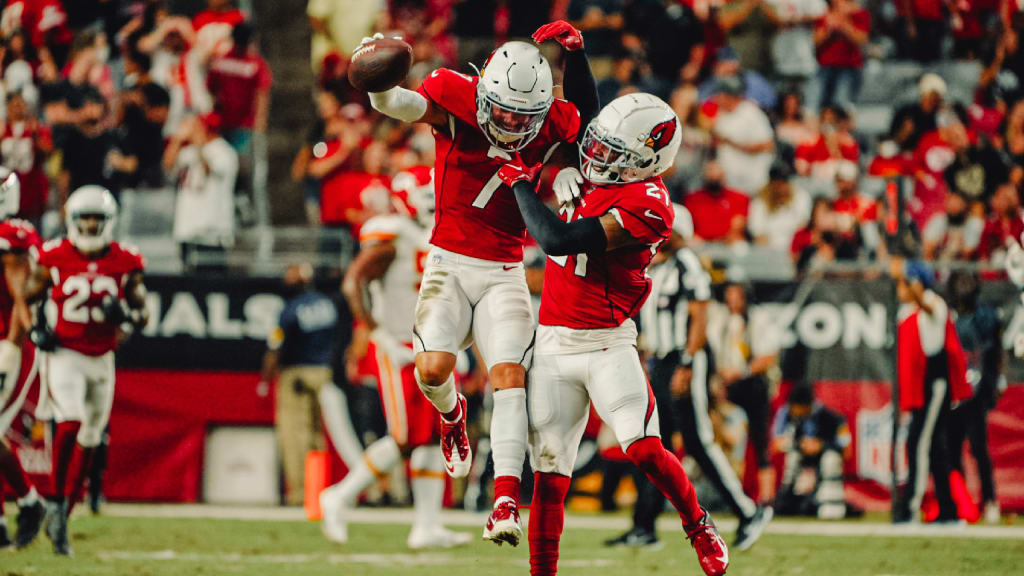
{"x":436,"y":537}
{"x":334,"y":509}
{"x":503,"y":523}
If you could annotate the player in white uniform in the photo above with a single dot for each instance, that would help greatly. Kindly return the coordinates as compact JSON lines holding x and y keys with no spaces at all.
{"x":381,"y":287}
{"x":474,"y":286}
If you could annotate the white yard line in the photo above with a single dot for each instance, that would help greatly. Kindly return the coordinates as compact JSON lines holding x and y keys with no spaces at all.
{"x":572,"y":521}
{"x":390,"y":559}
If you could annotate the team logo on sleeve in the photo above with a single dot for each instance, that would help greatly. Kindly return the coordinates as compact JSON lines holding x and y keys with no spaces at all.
{"x":662,"y":134}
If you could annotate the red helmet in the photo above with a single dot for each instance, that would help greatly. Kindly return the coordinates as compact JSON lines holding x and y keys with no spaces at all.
{"x":413,"y":195}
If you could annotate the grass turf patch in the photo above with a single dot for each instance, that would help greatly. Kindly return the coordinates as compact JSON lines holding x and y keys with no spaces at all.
{"x":172,"y":547}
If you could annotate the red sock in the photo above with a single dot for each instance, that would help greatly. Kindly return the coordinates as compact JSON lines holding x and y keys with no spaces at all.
{"x":547,"y":515}
{"x":667,"y":474}
{"x":79,"y":470}
{"x":13,"y":473}
{"x":63,"y":448}
{"x":509,"y":486}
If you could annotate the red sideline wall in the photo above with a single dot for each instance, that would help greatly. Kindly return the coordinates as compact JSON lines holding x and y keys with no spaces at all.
{"x":160,"y":419}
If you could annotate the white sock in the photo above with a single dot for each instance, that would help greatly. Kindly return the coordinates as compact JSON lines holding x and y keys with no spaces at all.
{"x":28,"y":499}
{"x":379,"y":458}
{"x":338,"y":423}
{"x":509,"y":428}
{"x":427,"y":486}
{"x":443,"y":397}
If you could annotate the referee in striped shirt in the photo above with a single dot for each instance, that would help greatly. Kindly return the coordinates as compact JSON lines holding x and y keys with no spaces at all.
{"x":673,"y":326}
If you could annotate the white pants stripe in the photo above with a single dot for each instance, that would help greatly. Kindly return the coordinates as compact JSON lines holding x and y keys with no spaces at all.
{"x":706,"y":435}
{"x":924,"y":444}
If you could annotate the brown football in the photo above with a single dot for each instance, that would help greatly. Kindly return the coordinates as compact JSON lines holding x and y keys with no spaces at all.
{"x":380,"y":65}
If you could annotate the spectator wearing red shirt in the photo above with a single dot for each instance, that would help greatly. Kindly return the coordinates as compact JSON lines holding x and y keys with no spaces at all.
{"x":351,"y":198}
{"x":965,"y":21}
{"x":213,"y":26}
{"x":856,"y":214}
{"x":240,"y":83}
{"x":818,"y":157}
{"x":719,"y":213}
{"x":1003,"y":225}
{"x":935,"y":152}
{"x":44,"y":20}
{"x":921,"y":27}
{"x":25,"y":145}
{"x":840,"y":38}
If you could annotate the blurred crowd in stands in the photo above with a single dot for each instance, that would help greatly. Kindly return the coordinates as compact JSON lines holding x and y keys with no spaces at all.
{"x":767,"y":91}
{"x":127,"y":95}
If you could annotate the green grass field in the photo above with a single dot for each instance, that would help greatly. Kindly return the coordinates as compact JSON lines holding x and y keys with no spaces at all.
{"x":137,"y":546}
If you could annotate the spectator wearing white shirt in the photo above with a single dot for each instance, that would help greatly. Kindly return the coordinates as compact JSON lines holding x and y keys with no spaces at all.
{"x":746,"y":141}
{"x":205,"y":167}
{"x":793,"y":51}
{"x":778,"y":211}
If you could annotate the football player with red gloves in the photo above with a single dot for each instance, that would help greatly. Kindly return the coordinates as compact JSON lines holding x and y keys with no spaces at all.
{"x":97,"y":288}
{"x":595,"y":282}
{"x":474,"y":284}
{"x":19,"y":246}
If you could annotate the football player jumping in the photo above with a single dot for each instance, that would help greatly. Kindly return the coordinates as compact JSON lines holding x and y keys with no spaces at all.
{"x":381,"y":288}
{"x":474,"y":283}
{"x":595,"y":282}
{"x":97,"y":286}
{"x":19,"y":245}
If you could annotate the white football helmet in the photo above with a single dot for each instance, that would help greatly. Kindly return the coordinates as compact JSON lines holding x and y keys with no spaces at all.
{"x":90,"y":202}
{"x":10,"y":194}
{"x":633,"y":138}
{"x":513,"y":95}
{"x":414,"y":191}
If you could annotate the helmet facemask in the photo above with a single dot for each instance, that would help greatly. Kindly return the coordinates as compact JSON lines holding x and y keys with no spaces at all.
{"x":91,"y":231}
{"x":507,"y":126}
{"x":606,"y":159}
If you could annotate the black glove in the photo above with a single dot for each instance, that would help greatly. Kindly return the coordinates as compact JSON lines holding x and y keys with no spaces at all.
{"x":114,"y":310}
{"x":43,"y":337}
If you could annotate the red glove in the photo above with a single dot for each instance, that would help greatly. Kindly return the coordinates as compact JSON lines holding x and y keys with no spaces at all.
{"x":562,"y":32}
{"x":518,"y":171}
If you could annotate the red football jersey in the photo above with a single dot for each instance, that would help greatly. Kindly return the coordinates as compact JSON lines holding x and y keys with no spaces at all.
{"x":79,"y":286}
{"x":15,"y":236}
{"x":477,"y":214}
{"x":587,"y":291}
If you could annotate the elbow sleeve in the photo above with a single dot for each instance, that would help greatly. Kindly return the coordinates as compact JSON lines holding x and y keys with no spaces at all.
{"x":399,"y":103}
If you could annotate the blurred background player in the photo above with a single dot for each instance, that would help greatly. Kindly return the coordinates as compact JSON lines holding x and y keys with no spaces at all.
{"x":97,"y":286}
{"x":299,"y":357}
{"x":814,"y":441}
{"x":932,"y":375}
{"x":674,"y":325}
{"x":474,"y":285}
{"x":980,"y":331}
{"x":19,"y":245}
{"x":595,"y":282}
{"x":381,"y":287}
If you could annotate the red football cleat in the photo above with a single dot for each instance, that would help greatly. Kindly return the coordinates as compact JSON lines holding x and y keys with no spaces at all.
{"x":458,"y":456}
{"x":503,"y":523}
{"x":711,"y":550}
